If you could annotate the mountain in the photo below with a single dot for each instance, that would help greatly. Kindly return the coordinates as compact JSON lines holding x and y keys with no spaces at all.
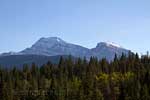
{"x":53,"y":47}
{"x":9,"y":53}
{"x":108,"y":50}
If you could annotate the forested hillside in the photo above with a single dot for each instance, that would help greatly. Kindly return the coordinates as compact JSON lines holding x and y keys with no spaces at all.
{"x":125,"y":78}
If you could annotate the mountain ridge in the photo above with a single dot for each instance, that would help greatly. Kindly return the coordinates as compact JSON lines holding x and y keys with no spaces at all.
{"x":53,"y":46}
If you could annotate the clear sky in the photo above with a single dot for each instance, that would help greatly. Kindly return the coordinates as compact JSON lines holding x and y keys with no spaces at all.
{"x":84,"y":22}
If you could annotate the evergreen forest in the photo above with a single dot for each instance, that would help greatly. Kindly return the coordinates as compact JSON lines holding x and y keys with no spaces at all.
{"x":125,"y":78}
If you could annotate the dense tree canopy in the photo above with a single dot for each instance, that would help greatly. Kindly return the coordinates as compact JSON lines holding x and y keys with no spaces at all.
{"x":125,"y":78}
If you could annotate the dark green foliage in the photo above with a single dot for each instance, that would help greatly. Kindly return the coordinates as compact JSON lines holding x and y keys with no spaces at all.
{"x":125,"y":78}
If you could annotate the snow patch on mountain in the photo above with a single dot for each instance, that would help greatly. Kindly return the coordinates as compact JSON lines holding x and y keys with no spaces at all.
{"x":113,"y":44}
{"x":58,"y":39}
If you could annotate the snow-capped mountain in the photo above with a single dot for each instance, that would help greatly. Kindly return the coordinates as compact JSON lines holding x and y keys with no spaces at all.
{"x":53,"y":47}
{"x":108,"y":50}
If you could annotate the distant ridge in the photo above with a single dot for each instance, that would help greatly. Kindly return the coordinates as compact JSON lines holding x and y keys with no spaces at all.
{"x":54,"y":46}
{"x":19,"y":60}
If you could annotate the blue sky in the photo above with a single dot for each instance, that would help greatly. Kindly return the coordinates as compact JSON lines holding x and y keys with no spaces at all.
{"x":84,"y":22}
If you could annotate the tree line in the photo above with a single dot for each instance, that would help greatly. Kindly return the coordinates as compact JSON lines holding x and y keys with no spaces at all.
{"x":124,"y":78}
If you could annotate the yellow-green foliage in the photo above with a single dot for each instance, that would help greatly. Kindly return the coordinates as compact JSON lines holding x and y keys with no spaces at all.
{"x":115,"y":76}
{"x":128,"y":75}
{"x":103,"y":77}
